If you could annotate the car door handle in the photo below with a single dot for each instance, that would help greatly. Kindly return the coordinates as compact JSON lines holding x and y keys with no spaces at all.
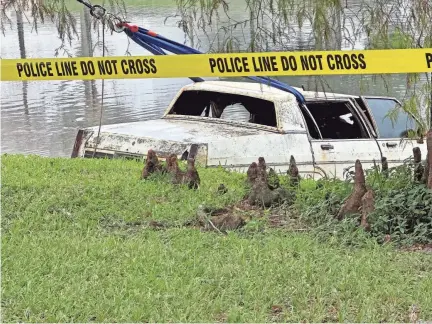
{"x":391,"y":144}
{"x":327,"y":147}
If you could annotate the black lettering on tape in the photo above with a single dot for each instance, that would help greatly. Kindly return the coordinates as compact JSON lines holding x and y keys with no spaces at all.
{"x":429,"y":60}
{"x":19,"y":68}
{"x":235,"y":61}
{"x":228,"y":68}
{"x":212,"y":63}
{"x":342,"y":62}
{"x":34,"y":69}
{"x":228,"y":64}
{"x":91,"y":68}
{"x":58,"y":69}
{"x":330,"y":62}
{"x":346,"y":62}
{"x":339,"y":64}
{"x":311,"y":62}
{"x":319,"y":58}
{"x":142,"y":67}
{"x":84,"y":68}
{"x":265,"y":64}
{"x":49,"y":69}
{"x":153,"y":68}
{"x":239,"y":64}
{"x":132,"y":68}
{"x":255,"y":67}
{"x":66,"y":68}
{"x":273,"y":61}
{"x":124,"y":67}
{"x":114,"y":64}
{"x":46,"y":69}
{"x":74,"y":68}
{"x":146,"y":65}
{"x":289,"y":63}
{"x":222,"y":65}
{"x":138,"y":66}
{"x":225,"y":65}
{"x":107,"y":67}
{"x":362,"y":61}
{"x":355,"y":63}
{"x":28,"y":69}
{"x":304,"y":62}
{"x":43,"y":69}
{"x":245,"y":64}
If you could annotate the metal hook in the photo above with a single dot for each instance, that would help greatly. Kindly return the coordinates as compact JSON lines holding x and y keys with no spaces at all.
{"x":117,"y":25}
{"x":97,"y":11}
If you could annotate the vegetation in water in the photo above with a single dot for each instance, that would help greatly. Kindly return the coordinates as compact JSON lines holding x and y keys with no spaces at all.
{"x":88,"y":241}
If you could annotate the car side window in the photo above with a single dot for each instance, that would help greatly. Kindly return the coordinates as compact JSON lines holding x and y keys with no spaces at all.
{"x":390,"y":127}
{"x":335,"y":120}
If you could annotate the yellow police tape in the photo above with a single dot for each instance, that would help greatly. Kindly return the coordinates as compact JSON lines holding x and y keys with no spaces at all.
{"x":220,"y":65}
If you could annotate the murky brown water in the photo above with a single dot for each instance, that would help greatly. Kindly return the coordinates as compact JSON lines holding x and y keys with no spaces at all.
{"x":43,"y":117}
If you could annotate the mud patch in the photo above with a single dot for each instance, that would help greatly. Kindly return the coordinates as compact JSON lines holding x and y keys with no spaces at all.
{"x":220,"y":220}
{"x":286,"y":218}
{"x":113,"y":224}
{"x":425,"y":248}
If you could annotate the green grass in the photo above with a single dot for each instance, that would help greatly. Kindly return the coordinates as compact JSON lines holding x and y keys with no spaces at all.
{"x":63,"y":262}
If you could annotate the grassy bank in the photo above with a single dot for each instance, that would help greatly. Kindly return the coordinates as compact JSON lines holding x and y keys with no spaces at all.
{"x":77,"y":246}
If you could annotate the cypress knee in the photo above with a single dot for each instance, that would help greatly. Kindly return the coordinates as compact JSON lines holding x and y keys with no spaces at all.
{"x":368,"y":206}
{"x":252,"y":173}
{"x":152,"y":164}
{"x":428,"y":169}
{"x":354,"y":201}
{"x":293,"y":172}
{"x":418,"y":167}
{"x":384,"y":166}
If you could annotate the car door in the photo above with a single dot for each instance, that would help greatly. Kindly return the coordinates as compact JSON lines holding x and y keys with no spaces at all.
{"x":391,"y":133}
{"x":343,"y":136}
{"x":244,"y":142}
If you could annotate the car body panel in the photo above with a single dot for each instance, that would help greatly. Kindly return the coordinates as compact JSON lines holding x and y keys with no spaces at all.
{"x":235,"y":144}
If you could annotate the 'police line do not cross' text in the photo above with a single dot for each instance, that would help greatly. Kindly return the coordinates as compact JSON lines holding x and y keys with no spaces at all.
{"x":273,"y":63}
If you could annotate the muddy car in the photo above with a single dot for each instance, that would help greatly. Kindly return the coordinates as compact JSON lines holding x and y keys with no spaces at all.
{"x":233,"y":123}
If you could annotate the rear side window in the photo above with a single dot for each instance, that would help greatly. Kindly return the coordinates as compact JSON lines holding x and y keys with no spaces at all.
{"x":395,"y":126}
{"x":226,"y":106}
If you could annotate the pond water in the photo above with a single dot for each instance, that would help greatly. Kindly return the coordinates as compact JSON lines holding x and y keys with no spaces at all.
{"x":43,"y":117}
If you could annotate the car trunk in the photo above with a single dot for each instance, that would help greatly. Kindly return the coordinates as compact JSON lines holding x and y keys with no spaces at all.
{"x":165,"y":136}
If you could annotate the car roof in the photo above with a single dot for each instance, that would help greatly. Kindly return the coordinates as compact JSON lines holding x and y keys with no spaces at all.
{"x":259,"y":90}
